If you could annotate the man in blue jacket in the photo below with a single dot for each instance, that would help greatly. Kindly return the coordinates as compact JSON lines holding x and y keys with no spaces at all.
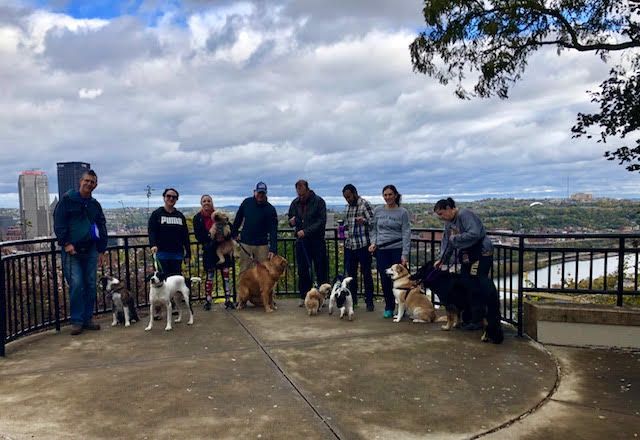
{"x":81,"y":231}
{"x":259,"y":222}
{"x":308,"y":215}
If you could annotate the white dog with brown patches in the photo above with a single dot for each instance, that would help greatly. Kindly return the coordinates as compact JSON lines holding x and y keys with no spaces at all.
{"x":160,"y":293}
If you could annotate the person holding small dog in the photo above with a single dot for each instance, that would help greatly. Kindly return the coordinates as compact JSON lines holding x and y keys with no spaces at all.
{"x":81,"y":231}
{"x":259,"y":235}
{"x":356,"y":244}
{"x":169,"y":235}
{"x":465,"y":233}
{"x":390,"y":240}
{"x":202,"y":223}
{"x":308,"y":215}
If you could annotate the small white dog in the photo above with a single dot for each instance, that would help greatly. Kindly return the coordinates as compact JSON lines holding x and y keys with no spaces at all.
{"x":160,"y":293}
{"x":341,"y":297}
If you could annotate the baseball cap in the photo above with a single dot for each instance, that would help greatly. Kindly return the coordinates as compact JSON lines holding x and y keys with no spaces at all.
{"x":261,"y":187}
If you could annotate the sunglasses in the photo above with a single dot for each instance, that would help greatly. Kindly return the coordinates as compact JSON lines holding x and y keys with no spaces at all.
{"x":171,"y":196}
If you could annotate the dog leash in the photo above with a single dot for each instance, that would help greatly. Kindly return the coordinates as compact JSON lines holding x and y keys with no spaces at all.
{"x":156,"y":263}
{"x":314,"y":283}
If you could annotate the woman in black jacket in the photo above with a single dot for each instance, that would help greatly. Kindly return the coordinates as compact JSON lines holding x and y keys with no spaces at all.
{"x":202,"y":223}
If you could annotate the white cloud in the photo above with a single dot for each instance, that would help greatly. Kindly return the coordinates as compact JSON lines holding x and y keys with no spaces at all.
{"x":89,"y":93}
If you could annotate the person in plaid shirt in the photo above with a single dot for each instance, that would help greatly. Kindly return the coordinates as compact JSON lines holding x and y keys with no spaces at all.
{"x":359,"y":214}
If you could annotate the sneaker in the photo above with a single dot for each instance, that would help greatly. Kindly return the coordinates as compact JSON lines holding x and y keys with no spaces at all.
{"x":387,"y":314}
{"x":472,"y":326}
{"x":229,"y":305}
{"x":91,"y":326}
{"x":76,"y":329}
{"x":370,"y":308}
{"x":207,"y":305}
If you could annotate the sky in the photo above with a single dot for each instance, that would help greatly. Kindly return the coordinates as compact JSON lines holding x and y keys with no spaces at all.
{"x":214,"y":96}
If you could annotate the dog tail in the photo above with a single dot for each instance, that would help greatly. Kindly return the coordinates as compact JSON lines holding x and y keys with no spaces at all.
{"x":346,"y":282}
{"x":196,"y":279}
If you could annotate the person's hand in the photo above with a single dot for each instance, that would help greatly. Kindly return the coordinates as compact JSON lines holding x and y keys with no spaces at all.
{"x":359,"y":220}
{"x":372,"y":248}
{"x":270,"y":255}
{"x":404,"y":261}
{"x":154,"y":250}
{"x":102,"y":258}
{"x":437,"y":264}
{"x":300,"y":233}
{"x":70,"y":249}
{"x":292,"y":221}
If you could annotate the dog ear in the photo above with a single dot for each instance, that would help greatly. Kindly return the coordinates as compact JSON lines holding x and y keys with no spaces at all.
{"x":148,"y":277}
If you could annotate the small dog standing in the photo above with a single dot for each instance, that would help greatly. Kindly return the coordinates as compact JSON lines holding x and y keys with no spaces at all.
{"x":220,"y":232}
{"x":341,"y":297}
{"x":123,"y":305}
{"x":160,"y":293}
{"x":315,"y":298}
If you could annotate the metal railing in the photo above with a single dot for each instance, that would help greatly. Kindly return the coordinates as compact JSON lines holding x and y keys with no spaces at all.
{"x":35,"y":297}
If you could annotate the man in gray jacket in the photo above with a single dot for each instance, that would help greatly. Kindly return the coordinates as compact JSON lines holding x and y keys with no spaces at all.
{"x":308,"y":215}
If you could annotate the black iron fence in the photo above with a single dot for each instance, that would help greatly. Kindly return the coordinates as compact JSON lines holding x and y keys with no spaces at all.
{"x":35,"y":297}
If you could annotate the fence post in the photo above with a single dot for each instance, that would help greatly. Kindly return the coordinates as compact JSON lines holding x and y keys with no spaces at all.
{"x":620,"y":272}
{"x":127,"y":269}
{"x":3,"y":309}
{"x":520,"y":277}
{"x":56,"y":292}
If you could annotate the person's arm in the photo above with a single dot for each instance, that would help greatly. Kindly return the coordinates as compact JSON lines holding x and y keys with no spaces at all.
{"x":201,"y":233}
{"x":406,"y":236}
{"x":273,"y":231}
{"x":60,"y":224}
{"x":291,"y":215}
{"x":101,"y":222}
{"x":367,"y":213}
{"x":471,"y":231}
{"x":186,"y":243}
{"x":374,"y":231}
{"x":237,"y":221}
{"x":318,"y":219}
{"x":152,"y":229}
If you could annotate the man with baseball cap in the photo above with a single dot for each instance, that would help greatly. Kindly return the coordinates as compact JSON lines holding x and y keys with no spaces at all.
{"x":259,"y":222}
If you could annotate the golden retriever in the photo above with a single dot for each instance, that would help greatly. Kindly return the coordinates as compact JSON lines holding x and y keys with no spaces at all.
{"x":315,"y":298}
{"x":256,"y":284}
{"x":409,"y":296}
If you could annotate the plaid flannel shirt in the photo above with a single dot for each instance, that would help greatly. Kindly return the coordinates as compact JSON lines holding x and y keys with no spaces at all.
{"x":357,"y":236}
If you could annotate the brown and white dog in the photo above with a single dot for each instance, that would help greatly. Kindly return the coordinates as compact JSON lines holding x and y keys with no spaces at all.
{"x":256,"y":284}
{"x":316,"y":297}
{"x":122,"y":303}
{"x":220,"y":232}
{"x":409,"y":296}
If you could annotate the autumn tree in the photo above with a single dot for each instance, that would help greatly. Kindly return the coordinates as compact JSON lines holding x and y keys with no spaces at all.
{"x":494,"y":39}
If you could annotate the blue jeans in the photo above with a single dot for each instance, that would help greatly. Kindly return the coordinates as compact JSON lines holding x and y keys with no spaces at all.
{"x":362,"y":257}
{"x":385,"y":258}
{"x":80,"y":272}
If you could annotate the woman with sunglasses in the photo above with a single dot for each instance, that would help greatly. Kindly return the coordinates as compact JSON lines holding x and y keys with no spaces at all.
{"x":169,"y":235}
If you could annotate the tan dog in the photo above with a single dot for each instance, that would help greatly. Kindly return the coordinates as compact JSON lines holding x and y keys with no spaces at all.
{"x":220,"y":232}
{"x":315,"y":298}
{"x":256,"y":284}
{"x":409,"y":296}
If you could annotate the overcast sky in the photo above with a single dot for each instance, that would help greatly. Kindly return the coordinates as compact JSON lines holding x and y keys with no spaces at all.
{"x":213,"y":96}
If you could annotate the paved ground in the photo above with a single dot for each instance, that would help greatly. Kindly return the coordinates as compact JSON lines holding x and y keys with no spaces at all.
{"x":251,"y":375}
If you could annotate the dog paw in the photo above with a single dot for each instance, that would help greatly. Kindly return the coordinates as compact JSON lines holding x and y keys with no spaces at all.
{"x":190,"y":322}
{"x":113,"y":324}
{"x":166,"y":329}
{"x":127,"y":324}
{"x":177,"y":320}
{"x":445,"y":328}
{"x":396,"y":319}
{"x":146,"y":329}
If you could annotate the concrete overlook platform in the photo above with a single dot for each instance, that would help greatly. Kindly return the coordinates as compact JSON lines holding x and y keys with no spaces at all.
{"x":250,"y":375}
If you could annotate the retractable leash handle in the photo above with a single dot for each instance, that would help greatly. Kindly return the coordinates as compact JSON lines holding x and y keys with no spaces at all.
{"x":156,"y":263}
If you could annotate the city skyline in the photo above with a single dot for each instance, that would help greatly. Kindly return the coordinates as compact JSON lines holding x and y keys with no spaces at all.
{"x":214,"y":97}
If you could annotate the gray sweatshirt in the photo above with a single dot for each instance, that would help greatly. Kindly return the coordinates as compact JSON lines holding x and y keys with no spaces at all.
{"x":463,"y":232}
{"x":391,"y":224}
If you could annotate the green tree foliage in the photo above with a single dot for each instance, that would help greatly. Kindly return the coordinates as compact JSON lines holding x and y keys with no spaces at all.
{"x":494,"y":38}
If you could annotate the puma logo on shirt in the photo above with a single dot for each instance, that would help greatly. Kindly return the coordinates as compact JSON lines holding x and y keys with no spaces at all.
{"x":170,"y":220}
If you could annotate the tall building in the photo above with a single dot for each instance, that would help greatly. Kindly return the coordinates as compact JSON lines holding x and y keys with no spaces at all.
{"x":33,"y":189}
{"x":69,"y":174}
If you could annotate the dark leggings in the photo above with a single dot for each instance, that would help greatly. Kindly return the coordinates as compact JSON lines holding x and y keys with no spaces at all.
{"x":385,"y":258}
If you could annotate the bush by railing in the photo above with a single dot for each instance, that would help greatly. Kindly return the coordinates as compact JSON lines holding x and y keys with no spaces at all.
{"x":34,"y":296}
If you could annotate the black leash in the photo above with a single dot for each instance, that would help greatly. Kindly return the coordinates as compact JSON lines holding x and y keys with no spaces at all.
{"x":306,"y":256}
{"x":253,"y":259}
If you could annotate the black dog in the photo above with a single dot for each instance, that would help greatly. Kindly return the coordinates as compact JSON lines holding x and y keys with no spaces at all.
{"x":455,"y":293}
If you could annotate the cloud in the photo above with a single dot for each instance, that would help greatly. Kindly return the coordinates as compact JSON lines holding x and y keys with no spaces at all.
{"x":215,"y":96}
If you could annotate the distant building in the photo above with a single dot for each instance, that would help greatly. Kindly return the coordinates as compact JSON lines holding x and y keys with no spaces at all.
{"x":582,"y":197}
{"x":33,"y":190}
{"x":69,"y":174}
